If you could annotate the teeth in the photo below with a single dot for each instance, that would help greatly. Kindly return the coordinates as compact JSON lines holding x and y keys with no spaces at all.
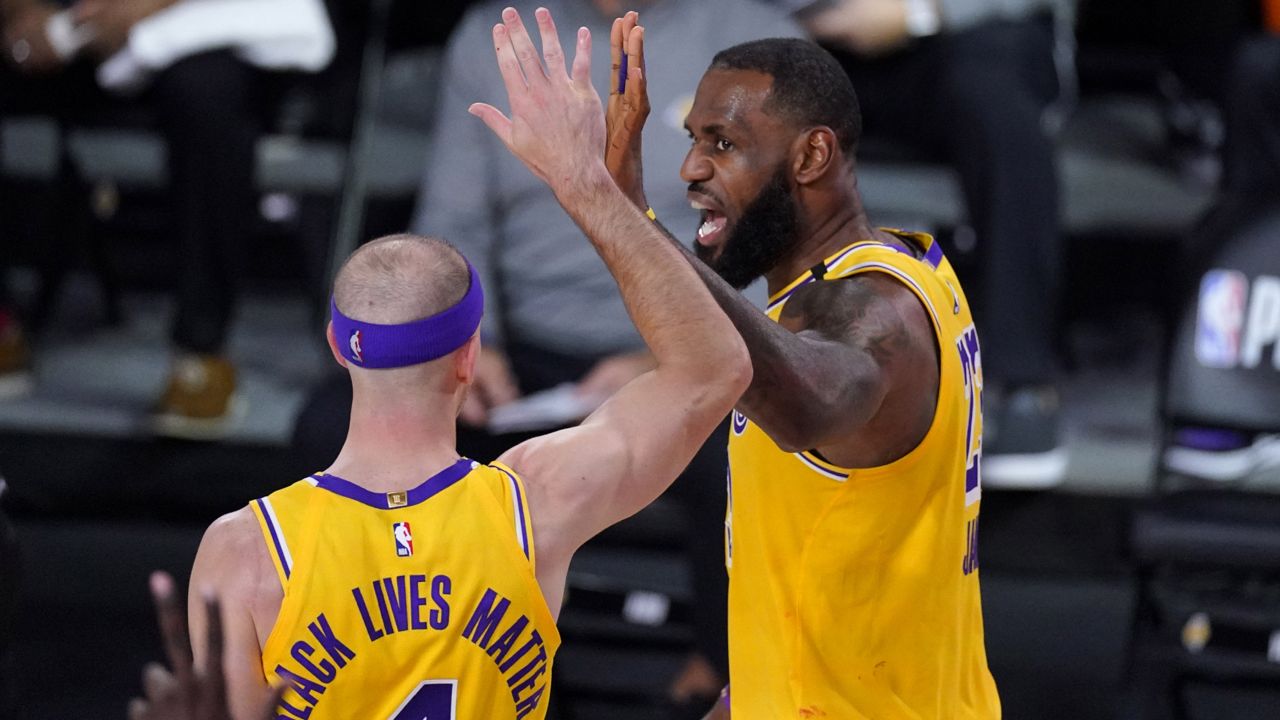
{"x":697,"y":205}
{"x":706,"y":229}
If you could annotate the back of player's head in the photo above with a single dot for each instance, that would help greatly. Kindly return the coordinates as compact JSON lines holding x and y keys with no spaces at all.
{"x":400,"y":278}
{"x":809,"y":86}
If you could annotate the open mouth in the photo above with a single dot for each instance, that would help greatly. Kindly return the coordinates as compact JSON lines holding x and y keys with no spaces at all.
{"x":713,"y":224}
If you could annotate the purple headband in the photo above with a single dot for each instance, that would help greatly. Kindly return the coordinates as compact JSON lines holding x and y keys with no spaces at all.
{"x":371,"y":345}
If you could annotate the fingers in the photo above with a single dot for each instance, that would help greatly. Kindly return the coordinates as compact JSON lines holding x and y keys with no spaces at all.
{"x":157,"y":683}
{"x":615,"y":57}
{"x":582,"y":59}
{"x":635,"y":62}
{"x":214,"y":686}
{"x":551,"y":51}
{"x":625,"y":25}
{"x":500,"y":124}
{"x":508,"y":64}
{"x":173,"y":624}
{"x":525,"y":52}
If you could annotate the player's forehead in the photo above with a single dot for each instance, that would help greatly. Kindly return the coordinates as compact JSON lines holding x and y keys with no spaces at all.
{"x":731,"y":99}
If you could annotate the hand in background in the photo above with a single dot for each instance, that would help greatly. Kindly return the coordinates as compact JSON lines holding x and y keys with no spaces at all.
{"x":112,"y":20}
{"x":628,"y":108}
{"x":556,"y":126}
{"x":868,"y":27}
{"x":495,"y":385}
{"x":183,"y":693}
{"x":610,"y":374}
{"x":25,"y":43}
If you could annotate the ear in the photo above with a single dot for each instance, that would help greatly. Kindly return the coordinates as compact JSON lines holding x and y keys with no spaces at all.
{"x":333,"y":345}
{"x":465,"y":363}
{"x":816,"y":152}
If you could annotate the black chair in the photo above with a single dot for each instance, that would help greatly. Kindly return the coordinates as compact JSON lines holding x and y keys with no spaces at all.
{"x":1207,"y":545}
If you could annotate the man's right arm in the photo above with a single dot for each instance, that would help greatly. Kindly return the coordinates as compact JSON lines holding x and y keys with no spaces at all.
{"x":586,"y":478}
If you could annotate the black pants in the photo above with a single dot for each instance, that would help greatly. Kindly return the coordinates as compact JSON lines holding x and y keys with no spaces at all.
{"x":322,"y":427}
{"x":1252,"y":157}
{"x":208,"y":109}
{"x":975,"y":99}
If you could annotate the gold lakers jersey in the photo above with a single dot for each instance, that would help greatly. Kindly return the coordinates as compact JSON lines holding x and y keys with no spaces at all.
{"x":853,"y":593}
{"x":418,"y":604}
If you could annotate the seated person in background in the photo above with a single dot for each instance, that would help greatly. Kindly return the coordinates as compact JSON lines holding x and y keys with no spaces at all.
{"x":555,"y":317}
{"x":1251,"y":157}
{"x":969,"y":81}
{"x":198,"y":64}
{"x":315,"y":578}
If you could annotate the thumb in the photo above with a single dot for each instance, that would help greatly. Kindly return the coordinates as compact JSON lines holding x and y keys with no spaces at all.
{"x":500,"y":124}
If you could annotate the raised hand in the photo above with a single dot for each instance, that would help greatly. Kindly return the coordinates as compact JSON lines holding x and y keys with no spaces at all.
{"x":556,"y":126}
{"x":183,"y":693}
{"x":628,"y":107}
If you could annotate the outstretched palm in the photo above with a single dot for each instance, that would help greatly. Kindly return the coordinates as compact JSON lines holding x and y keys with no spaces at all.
{"x":628,"y":107}
{"x":557,"y":123}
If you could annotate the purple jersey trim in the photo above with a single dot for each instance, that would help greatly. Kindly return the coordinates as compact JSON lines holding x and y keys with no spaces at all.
{"x":429,"y":487}
{"x":933,"y":256}
{"x":524,"y":531}
{"x":275,"y":536}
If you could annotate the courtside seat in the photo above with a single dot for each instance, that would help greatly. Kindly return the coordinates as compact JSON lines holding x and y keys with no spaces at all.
{"x":1207,"y":546}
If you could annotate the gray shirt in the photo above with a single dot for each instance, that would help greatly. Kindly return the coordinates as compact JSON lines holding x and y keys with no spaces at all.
{"x":544,"y":283}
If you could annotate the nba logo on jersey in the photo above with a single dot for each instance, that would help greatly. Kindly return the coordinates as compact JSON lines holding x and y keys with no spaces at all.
{"x":404,"y":539}
{"x":355,"y":346}
{"x":1220,"y":319}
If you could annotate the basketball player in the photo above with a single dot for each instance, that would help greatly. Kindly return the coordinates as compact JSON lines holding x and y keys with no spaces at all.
{"x":405,"y":581}
{"x":855,"y":456}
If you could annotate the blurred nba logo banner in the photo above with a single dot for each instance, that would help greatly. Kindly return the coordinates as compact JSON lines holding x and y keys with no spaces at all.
{"x":404,"y":539}
{"x":1238,"y":320}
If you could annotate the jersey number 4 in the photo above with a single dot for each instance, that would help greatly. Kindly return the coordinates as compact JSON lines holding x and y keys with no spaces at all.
{"x":431,"y":700}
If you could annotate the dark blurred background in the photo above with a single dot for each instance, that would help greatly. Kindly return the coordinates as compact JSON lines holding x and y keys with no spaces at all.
{"x":1145,"y":582}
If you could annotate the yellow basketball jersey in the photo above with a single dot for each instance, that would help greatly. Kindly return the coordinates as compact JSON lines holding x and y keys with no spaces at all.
{"x":415,"y":604}
{"x":853,"y":593}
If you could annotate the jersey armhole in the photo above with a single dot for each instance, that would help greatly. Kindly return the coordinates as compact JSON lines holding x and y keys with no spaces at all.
{"x":273,"y":537}
{"x":520,"y":513}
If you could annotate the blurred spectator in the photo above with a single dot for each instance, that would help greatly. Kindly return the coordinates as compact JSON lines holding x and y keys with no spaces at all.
{"x":1251,"y":153}
{"x":198,"y":67}
{"x":969,"y":81}
{"x":555,"y":316}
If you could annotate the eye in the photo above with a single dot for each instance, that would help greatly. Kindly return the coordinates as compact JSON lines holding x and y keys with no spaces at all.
{"x":723,"y":145}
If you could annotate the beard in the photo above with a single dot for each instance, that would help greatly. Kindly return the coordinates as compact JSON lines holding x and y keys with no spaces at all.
{"x":760,"y":238}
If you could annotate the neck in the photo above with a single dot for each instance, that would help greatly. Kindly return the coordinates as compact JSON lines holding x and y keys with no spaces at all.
{"x":824,"y":230}
{"x":395,"y":443}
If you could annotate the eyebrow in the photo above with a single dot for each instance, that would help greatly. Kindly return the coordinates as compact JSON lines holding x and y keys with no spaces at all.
{"x":712,"y":129}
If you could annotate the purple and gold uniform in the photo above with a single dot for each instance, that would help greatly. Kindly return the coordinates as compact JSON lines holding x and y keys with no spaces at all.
{"x":853,"y":593}
{"x":413,"y":604}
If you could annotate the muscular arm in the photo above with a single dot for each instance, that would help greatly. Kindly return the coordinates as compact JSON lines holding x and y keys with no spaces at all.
{"x":823,"y":372}
{"x":628,"y":451}
{"x":232,"y":561}
{"x":586,"y":478}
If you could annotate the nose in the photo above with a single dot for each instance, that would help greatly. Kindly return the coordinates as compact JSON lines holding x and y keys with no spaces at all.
{"x":696,"y":167}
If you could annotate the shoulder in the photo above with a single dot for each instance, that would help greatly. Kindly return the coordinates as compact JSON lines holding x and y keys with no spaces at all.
{"x":233,"y":555}
{"x":868,"y":305}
